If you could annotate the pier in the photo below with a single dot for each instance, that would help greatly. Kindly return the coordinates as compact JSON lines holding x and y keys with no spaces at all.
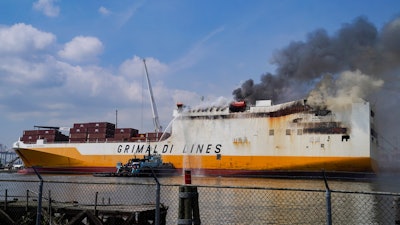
{"x":72,"y":213}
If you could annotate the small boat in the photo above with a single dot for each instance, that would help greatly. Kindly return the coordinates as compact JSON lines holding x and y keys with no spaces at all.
{"x":149,"y":165}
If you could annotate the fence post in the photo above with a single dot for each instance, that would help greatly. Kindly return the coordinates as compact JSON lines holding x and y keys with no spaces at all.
{"x":27,"y":201}
{"x":49,"y":209}
{"x":5,"y":200}
{"x":39,"y":208}
{"x":396,"y":203}
{"x":95,"y":204}
{"x":328,"y":202}
{"x":188,"y":212}
{"x":158,"y":190}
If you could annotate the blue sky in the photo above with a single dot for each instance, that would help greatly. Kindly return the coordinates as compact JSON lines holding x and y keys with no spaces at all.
{"x":64,"y":62}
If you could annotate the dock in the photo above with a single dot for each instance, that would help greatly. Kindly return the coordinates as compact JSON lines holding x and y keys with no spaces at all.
{"x":73,"y":213}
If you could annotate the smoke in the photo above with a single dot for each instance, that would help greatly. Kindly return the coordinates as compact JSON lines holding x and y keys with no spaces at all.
{"x":220,"y":102}
{"x":302,"y":65}
{"x":357,"y":61}
{"x":347,"y":88}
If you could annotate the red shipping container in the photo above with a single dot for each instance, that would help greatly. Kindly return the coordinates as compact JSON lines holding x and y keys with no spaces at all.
{"x":78,"y":135}
{"x":96,"y":135}
{"x":100,"y":130}
{"x":30,"y":132}
{"x":122,"y":136}
{"x":102,"y":125}
{"x":77,"y":130}
{"x":48,"y":136}
{"x":132,"y":132}
{"x":81,"y":125}
{"x":120,"y":139}
{"x":52,"y":131}
{"x":93,"y":130}
{"x":29,"y":138}
{"x":97,"y":139}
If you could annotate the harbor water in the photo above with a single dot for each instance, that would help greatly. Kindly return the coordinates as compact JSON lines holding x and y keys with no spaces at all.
{"x":217,"y":198}
{"x":381,"y":183}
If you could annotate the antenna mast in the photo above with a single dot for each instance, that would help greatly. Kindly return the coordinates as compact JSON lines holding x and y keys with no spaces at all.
{"x":153,"y":104}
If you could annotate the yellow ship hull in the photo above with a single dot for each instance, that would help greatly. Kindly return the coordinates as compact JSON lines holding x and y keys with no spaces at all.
{"x":70,"y":160}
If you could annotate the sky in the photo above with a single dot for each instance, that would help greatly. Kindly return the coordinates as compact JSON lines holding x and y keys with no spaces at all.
{"x":64,"y":62}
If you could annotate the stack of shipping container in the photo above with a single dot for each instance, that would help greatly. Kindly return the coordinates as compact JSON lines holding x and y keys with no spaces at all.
{"x":91,"y":132}
{"x":78,"y":133}
{"x":125,"y":134}
{"x":49,"y":135}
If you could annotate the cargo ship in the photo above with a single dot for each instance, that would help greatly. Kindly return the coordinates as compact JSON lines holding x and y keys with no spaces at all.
{"x":237,"y":139}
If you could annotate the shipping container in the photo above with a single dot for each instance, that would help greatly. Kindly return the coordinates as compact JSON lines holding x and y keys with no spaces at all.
{"x":99,"y":135}
{"x":130,"y":131}
{"x":102,"y":125}
{"x":80,"y":125}
{"x":29,"y":138}
{"x":30,"y":132}
{"x":50,"y":131}
{"x":78,"y":135}
{"x":78,"y":130}
{"x":97,"y":140}
{"x":122,"y":136}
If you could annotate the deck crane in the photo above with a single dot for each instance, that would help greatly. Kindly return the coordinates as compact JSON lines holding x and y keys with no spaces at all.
{"x":156,"y":122}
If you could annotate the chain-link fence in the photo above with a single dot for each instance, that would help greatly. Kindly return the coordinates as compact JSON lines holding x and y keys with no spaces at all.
{"x":129,"y":202}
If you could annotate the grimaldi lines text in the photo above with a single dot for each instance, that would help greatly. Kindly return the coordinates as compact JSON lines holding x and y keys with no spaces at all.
{"x":147,"y":149}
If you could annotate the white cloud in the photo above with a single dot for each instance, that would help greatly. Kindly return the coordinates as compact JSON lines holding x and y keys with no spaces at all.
{"x":51,"y":87}
{"x":82,"y":49}
{"x":104,"y":11}
{"x":47,"y":7}
{"x":21,"y":38}
{"x":134,"y":67}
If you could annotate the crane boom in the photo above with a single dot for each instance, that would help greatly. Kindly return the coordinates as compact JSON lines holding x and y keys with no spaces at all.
{"x":156,"y":122}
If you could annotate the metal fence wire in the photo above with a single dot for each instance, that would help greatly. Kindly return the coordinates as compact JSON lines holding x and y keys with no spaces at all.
{"x":128,"y":202}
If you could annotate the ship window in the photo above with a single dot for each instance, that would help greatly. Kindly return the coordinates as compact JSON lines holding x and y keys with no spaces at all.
{"x":218,"y":156}
{"x":322,"y":146}
{"x":287,"y":131}
{"x":299,"y":131}
{"x":271,"y":132}
{"x":345,"y":137}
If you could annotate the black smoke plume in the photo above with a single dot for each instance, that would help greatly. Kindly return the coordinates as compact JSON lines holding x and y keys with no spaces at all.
{"x":302,"y":64}
{"x":359,"y":60}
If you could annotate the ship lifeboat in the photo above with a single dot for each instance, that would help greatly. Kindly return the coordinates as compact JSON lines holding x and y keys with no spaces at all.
{"x":238,"y":106}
